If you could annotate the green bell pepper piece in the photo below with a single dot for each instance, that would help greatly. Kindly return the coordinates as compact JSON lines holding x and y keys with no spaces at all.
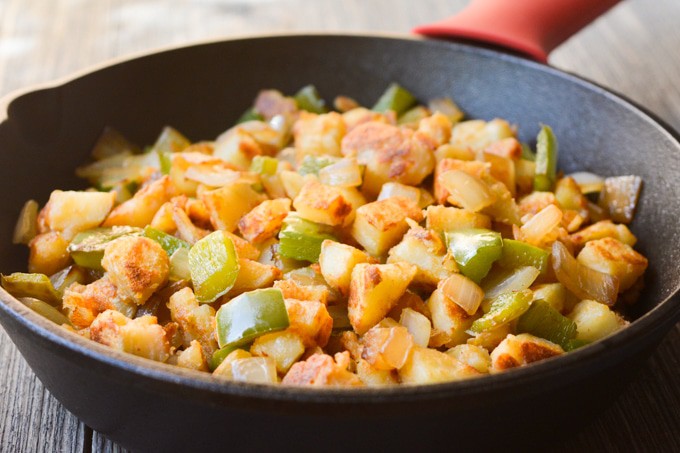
{"x":528,"y":153}
{"x":214,"y":266}
{"x":165,"y":161}
{"x":37,"y":286}
{"x":249,"y":115}
{"x":169,"y":242}
{"x":311,"y":165}
{"x":264,"y":165}
{"x":544,"y":321}
{"x":308,"y":99}
{"x":474,"y":250}
{"x":66,"y":277}
{"x":504,"y":308}
{"x":46,"y":310}
{"x":301,"y":239}
{"x":249,"y":316}
{"x":87,"y":248}
{"x":546,"y":160}
{"x":170,"y":141}
{"x":575,"y":343}
{"x":517,"y":254}
{"x":395,"y":98}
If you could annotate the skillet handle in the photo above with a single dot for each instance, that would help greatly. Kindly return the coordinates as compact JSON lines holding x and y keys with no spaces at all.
{"x":531,"y":27}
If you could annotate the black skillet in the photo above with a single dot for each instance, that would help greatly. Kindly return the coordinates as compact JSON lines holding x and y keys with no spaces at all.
{"x":200,"y":90}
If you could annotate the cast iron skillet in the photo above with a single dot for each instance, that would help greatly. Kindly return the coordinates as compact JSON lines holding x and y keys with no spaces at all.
{"x":200,"y":90}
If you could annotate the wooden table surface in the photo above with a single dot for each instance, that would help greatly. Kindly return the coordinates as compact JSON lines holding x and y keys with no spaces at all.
{"x":634,"y":49}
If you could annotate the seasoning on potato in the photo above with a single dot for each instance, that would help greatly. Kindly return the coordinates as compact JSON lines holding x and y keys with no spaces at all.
{"x":401,"y":244}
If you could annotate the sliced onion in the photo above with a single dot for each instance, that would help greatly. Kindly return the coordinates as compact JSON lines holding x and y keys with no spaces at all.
{"x":518,"y":279}
{"x":588,"y":182}
{"x":179,"y":265}
{"x":541,"y":224}
{"x":212,"y":176}
{"x":447,"y":107}
{"x":466,"y":190}
{"x":261,"y":370}
{"x":418,"y":326}
{"x":387,"y":348}
{"x":343,"y":173}
{"x":27,"y":223}
{"x":619,"y":196}
{"x":395,"y":189}
{"x":464,"y":292}
{"x":584,"y":282}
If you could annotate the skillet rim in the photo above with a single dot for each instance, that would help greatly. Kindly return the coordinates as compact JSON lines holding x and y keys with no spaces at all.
{"x":662,"y":317}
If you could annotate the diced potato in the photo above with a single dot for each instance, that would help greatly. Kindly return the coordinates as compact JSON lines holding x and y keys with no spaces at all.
{"x":318,"y":134}
{"x":238,"y":147}
{"x":310,"y":320}
{"x":141,"y":336}
{"x":390,"y":154}
{"x":293,"y":181}
{"x":409,"y":300}
{"x":436,"y":128}
{"x":47,"y":253}
{"x":525,"y":170}
{"x":261,"y":370}
{"x":291,"y":289}
{"x":264,"y":221}
{"x":197,"y":322}
{"x":71,"y":212}
{"x":374,"y":290}
{"x":424,"y":249}
{"x":449,"y":318}
{"x":479,"y":135}
{"x":224,"y":370}
{"x":379,"y":225}
{"x":475,"y":356}
{"x":448,"y":151}
{"x":443,"y":219}
{"x":336,"y":262}
{"x":140,"y":210}
{"x":322,"y":204}
{"x":229,"y":203}
{"x":284,"y":347}
{"x":137,"y":265}
{"x":374,"y":377}
{"x":555,"y":294}
{"x":361,"y":115}
{"x":429,"y":366}
{"x":145,"y":338}
{"x":244,"y":249}
{"x":509,"y":148}
{"x":603,"y":229}
{"x":387,"y":348}
{"x":535,"y":202}
{"x":186,"y":230}
{"x":320,"y":370}
{"x":193,"y":358}
{"x":84,"y":302}
{"x":162,"y":220}
{"x":613,"y":257}
{"x":181,"y":162}
{"x":503,"y":169}
{"x":491,"y":338}
{"x":253,"y":275}
{"x":595,"y":320}
{"x":521,"y":350}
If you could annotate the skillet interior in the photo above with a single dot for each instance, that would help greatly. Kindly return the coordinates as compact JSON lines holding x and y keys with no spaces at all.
{"x":201,"y":90}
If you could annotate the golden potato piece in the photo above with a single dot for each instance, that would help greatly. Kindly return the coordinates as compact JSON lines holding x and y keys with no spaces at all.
{"x":84,"y":302}
{"x":229,"y":203}
{"x":336,"y":262}
{"x":71,"y":212}
{"x":140,"y":210}
{"x":518,"y":350}
{"x":264,"y":221}
{"x":613,"y":257}
{"x":138,"y":266}
{"x":197,"y":322}
{"x":310,"y":320}
{"x":320,"y":370}
{"x":318,"y":134}
{"x":321,"y":203}
{"x":47,"y":253}
{"x":429,"y":366}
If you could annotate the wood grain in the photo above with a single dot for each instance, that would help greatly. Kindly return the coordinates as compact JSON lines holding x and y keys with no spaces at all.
{"x":632,"y":50}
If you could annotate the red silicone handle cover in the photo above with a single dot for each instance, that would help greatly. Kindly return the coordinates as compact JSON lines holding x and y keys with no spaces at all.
{"x":531,"y":27}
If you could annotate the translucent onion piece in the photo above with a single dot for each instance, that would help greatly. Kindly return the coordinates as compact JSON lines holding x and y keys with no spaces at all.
{"x":45,"y":310}
{"x":179,"y":265}
{"x":447,"y":107}
{"x":260,"y":370}
{"x":584,"y":282}
{"x":418,"y":326}
{"x":619,"y":196}
{"x":27,"y":226}
{"x":464,"y":292}
{"x":395,"y":189}
{"x":516,"y":280}
{"x":212,"y":176}
{"x":466,"y":190}
{"x":541,"y":224}
{"x":387,"y":348}
{"x":588,"y":182}
{"x":344,"y":173}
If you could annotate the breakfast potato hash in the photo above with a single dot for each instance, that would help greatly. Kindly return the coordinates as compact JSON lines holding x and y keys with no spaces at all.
{"x":400,"y":244}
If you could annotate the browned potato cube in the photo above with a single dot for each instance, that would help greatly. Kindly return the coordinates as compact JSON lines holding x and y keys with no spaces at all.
{"x":310,"y":320}
{"x":336,"y":262}
{"x":48,"y":253}
{"x":264,"y":220}
{"x":322,"y":204}
{"x":613,"y":257}
{"x":229,"y":203}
